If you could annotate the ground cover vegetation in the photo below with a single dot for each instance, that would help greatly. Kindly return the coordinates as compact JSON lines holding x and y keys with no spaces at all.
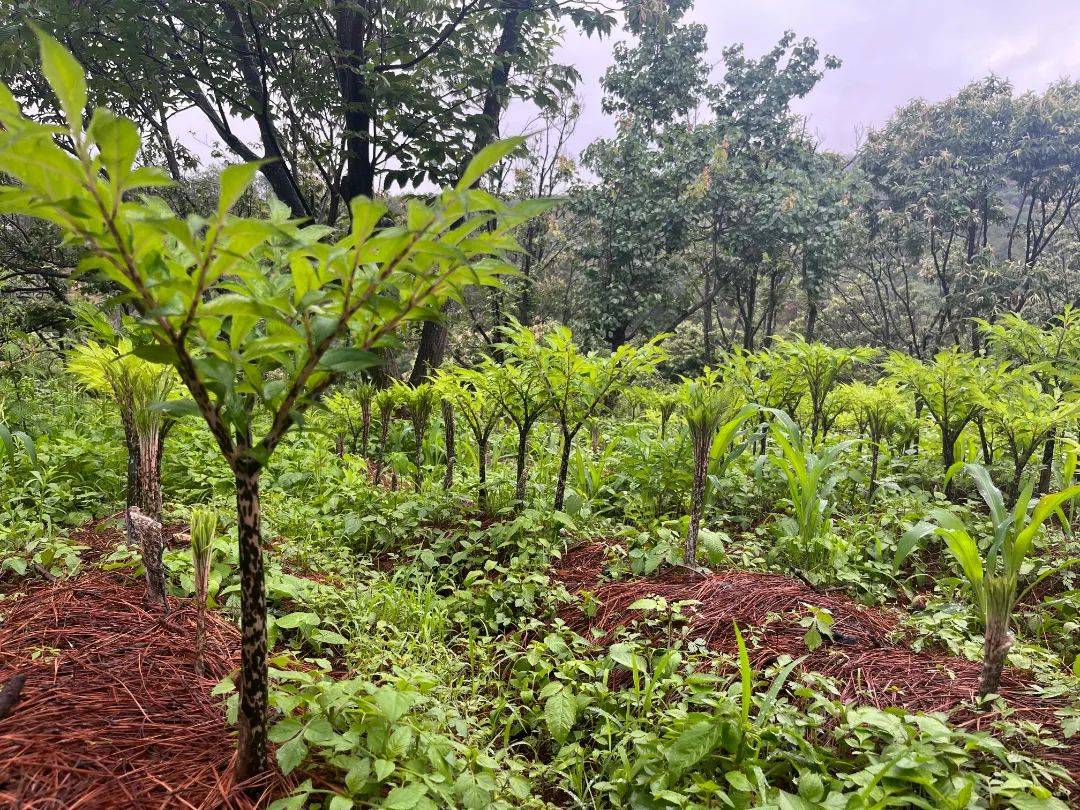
{"x":646,"y":538}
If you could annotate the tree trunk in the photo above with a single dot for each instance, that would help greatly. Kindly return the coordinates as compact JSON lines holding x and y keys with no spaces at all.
{"x":434,"y":336}
{"x":564,"y":467}
{"x":132,"y":496}
{"x":365,"y":430}
{"x":948,"y":458}
{"x":522,"y":455}
{"x":997,"y":640}
{"x":380,"y":458}
{"x":252,"y":716}
{"x":481,"y":462}
{"x":697,"y":499}
{"x":874,"y":453}
{"x":448,"y":439}
{"x":152,"y":542}
{"x":1046,"y":473}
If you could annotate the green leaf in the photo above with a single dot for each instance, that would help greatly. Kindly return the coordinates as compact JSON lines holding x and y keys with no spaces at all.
{"x":746,"y":675}
{"x":291,"y":754}
{"x":692,"y":745}
{"x":291,"y":621}
{"x":485,"y":159}
{"x":234,"y":182}
{"x":738,"y":780}
{"x":560,"y":712}
{"x":350,"y":359}
{"x":405,"y":797}
{"x":117,"y":140}
{"x":65,"y":76}
{"x":910,"y":541}
{"x":341,"y":803}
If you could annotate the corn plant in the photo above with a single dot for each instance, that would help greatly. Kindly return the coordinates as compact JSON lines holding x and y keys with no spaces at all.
{"x":811,"y":477}
{"x":204,"y":523}
{"x":258,"y":315}
{"x":713,"y":412}
{"x":993,"y":582}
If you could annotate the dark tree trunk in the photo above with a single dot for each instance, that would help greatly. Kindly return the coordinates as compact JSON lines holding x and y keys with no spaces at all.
{"x":481,"y":462}
{"x":365,"y":430}
{"x":448,"y":439}
{"x":434,"y":337}
{"x":276,"y":171}
{"x":948,"y":458}
{"x":351,"y":21}
{"x":252,"y":717}
{"x":1046,"y":473}
{"x":522,"y":455}
{"x":564,"y":467}
{"x":380,"y":457}
{"x":875,"y":452}
{"x":697,"y":497}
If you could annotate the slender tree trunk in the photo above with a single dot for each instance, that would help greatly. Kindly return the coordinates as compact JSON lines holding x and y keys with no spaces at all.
{"x":948,"y":458}
{"x":1046,"y":473}
{"x":874,"y":453}
{"x":434,"y":336}
{"x":380,"y":458}
{"x":707,"y":317}
{"x":564,"y":467}
{"x":697,"y":497}
{"x":339,"y":445}
{"x":481,"y":490}
{"x":132,"y":495}
{"x":252,"y":716}
{"x":365,"y":430}
{"x":522,"y":456}
{"x":448,"y":439}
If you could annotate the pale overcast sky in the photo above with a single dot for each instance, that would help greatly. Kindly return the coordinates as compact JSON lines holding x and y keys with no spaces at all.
{"x":891,"y":52}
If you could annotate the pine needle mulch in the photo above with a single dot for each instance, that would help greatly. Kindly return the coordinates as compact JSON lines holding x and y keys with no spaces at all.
{"x":112,"y":714}
{"x":867,"y":657}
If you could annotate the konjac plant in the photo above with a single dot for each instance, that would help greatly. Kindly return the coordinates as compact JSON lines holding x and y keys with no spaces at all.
{"x":259,"y":315}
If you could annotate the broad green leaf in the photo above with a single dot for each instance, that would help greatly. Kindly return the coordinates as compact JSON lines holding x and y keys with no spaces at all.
{"x":910,"y":540}
{"x":117,"y":140}
{"x":560,"y":712}
{"x":291,"y":754}
{"x":692,"y":745}
{"x":65,"y":76}
{"x":234,"y":182}
{"x":405,"y":797}
{"x":485,"y":159}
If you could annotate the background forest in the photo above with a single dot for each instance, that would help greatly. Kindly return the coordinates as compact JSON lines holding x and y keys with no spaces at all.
{"x":711,"y":214}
